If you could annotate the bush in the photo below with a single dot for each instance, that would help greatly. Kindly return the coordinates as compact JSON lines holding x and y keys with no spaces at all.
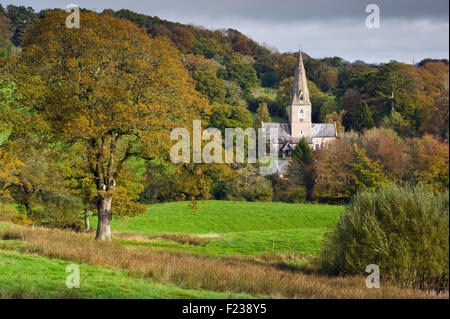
{"x":289,"y":192}
{"x":59,"y":211}
{"x":248,"y":185}
{"x":403,"y":230}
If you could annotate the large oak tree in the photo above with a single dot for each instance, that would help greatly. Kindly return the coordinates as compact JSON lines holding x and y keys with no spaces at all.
{"x":109,"y":88}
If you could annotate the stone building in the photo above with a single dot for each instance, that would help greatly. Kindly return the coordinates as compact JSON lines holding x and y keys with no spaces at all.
{"x":285,"y":136}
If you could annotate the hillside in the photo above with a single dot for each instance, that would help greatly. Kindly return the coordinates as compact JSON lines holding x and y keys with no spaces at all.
{"x":228,"y":66}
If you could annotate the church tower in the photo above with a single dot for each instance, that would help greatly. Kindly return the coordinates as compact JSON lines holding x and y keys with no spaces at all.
{"x":300,"y":108}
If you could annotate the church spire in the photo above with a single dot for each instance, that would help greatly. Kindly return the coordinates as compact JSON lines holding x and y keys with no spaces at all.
{"x":300,"y":92}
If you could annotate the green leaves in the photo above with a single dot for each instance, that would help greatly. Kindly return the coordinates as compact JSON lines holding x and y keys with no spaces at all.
{"x":404,"y":230}
{"x":302,"y":153}
{"x":368,"y":174}
{"x":363,"y":118}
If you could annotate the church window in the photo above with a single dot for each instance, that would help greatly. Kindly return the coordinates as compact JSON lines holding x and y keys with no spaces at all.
{"x":301,"y":114}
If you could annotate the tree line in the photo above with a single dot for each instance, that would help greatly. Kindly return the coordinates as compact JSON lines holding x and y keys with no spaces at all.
{"x":85,"y":117}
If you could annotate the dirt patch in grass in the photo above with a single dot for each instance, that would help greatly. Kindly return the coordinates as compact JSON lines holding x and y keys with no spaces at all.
{"x":212,"y":235}
{"x":184,"y":239}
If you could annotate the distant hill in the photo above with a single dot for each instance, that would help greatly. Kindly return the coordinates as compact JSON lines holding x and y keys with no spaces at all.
{"x":229,"y":67}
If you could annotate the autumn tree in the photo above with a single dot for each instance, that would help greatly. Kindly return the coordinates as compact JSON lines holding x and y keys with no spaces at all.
{"x":328,"y":79}
{"x":428,"y":162}
{"x":367,"y":174}
{"x":29,"y":168}
{"x":226,"y":116}
{"x":440,"y":117}
{"x":110,"y":89}
{"x":262,"y":115}
{"x":396,"y":122}
{"x":240,"y":44}
{"x":162,"y":31}
{"x":337,"y":119}
{"x":283,"y":98}
{"x":183,"y":38}
{"x":6,"y":32}
{"x":386,"y":147}
{"x":333,"y":174}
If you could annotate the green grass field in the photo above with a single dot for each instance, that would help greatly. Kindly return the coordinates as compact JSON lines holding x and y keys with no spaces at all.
{"x":196,"y":243}
{"x":220,"y":228}
{"x":269,"y":92}
{"x":28,"y":276}
{"x":229,"y":228}
{"x":277,"y":119}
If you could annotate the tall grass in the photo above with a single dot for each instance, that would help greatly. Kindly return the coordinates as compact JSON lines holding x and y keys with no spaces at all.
{"x":403,"y":230}
{"x":230,"y":274}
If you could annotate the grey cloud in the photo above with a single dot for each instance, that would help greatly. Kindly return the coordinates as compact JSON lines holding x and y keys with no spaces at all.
{"x":266,"y":10}
{"x":409,"y":28}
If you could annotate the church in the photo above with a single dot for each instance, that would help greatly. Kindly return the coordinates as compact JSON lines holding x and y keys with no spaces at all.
{"x":287,"y":135}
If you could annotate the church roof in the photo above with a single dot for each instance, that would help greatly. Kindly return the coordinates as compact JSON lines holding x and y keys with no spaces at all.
{"x":323,"y":130}
{"x":283,"y":131}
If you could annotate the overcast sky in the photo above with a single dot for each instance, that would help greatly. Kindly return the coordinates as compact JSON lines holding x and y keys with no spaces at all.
{"x":409,"y":29}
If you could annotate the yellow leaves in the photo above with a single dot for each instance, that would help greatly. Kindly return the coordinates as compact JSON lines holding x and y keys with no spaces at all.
{"x":113,"y":77}
{"x":9,"y":214}
{"x":111,"y":92}
{"x":430,"y":162}
{"x":9,"y":166}
{"x":125,"y":200}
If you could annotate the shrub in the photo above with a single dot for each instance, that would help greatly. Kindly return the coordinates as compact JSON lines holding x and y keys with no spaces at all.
{"x":59,"y":211}
{"x":403,"y":230}
{"x":289,"y":192}
{"x":248,"y":185}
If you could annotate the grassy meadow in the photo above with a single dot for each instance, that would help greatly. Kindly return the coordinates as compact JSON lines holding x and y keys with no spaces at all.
{"x":176,"y":251}
{"x":228,"y":228}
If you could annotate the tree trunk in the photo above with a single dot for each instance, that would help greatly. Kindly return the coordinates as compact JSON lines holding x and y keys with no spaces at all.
{"x":87,"y":225}
{"x":104,"y":219}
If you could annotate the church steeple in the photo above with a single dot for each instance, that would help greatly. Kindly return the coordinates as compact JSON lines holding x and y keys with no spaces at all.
{"x":300,"y":92}
{"x":300,"y":108}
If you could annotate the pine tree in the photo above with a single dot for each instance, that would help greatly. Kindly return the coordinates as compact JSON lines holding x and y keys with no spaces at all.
{"x":301,"y":166}
{"x":363,"y":118}
{"x":302,"y":153}
{"x":417,"y":117}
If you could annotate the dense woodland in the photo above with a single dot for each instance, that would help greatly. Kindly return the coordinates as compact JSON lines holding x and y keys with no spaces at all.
{"x":73,"y":132}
